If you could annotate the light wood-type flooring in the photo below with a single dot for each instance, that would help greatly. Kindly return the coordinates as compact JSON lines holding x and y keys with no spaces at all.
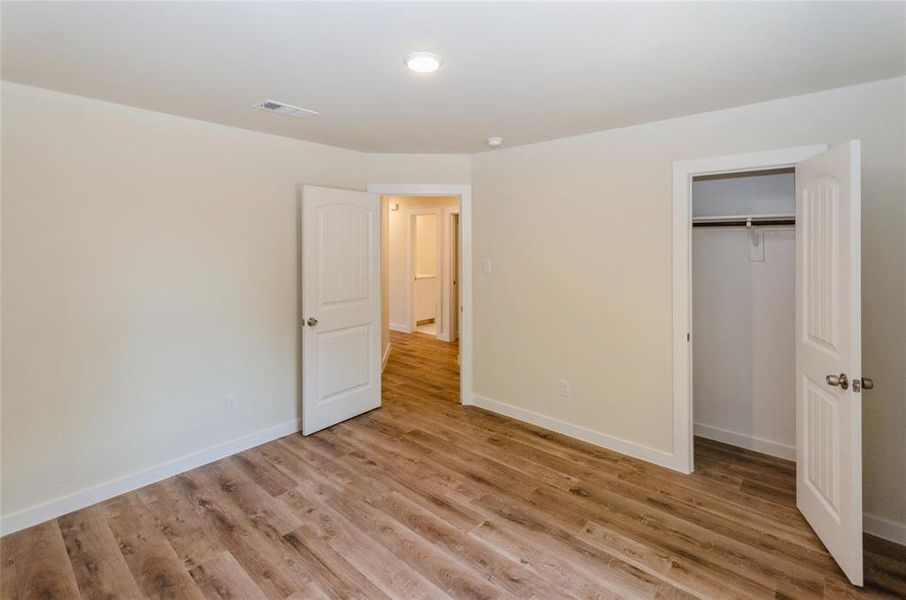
{"x":424,"y":498}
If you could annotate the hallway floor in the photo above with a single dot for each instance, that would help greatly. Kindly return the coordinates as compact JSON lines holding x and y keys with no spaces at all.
{"x":427,"y":328}
{"x":425,"y":498}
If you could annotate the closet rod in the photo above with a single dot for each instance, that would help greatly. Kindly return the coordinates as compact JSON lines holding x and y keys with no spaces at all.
{"x":744,"y":223}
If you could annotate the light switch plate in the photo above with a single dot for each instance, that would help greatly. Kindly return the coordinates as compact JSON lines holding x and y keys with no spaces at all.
{"x":486,"y":265}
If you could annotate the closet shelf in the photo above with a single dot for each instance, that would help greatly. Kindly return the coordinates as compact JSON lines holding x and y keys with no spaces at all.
{"x":743,"y":220}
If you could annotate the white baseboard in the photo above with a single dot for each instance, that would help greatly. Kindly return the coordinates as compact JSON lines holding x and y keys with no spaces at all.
{"x":885,"y":528}
{"x":104,"y":491}
{"x":749,"y":442}
{"x":652,"y":455}
{"x":386,"y":357}
{"x":400,"y":328}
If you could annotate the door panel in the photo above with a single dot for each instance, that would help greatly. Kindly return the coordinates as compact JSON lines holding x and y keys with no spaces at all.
{"x":820,"y":207}
{"x":341,"y":304}
{"x":829,"y":343}
{"x":342,"y":254}
{"x":425,"y":298}
{"x":821,"y":472}
{"x":343,"y":362}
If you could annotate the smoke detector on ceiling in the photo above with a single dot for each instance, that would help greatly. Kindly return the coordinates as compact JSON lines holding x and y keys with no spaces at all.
{"x":494,"y":142}
{"x":287,"y":110}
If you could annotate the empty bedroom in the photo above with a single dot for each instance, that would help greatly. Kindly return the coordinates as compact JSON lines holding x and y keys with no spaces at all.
{"x":452,"y":299}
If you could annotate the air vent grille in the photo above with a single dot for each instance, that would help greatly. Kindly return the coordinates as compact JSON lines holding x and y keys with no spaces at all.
{"x":286,"y":110}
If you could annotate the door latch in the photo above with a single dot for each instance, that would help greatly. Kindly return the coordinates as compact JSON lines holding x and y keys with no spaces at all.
{"x":864,"y":383}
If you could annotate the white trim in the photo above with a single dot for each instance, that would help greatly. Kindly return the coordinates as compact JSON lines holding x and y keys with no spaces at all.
{"x":448,"y":310}
{"x":386,"y":357}
{"x":400,"y":328}
{"x":885,"y":528}
{"x":652,"y":455}
{"x":104,"y":491}
{"x":749,"y":442}
{"x":683,"y":171}
{"x":465,"y":207}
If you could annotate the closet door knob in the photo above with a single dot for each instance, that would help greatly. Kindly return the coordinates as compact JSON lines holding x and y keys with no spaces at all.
{"x":838,"y":380}
{"x":312,"y":321}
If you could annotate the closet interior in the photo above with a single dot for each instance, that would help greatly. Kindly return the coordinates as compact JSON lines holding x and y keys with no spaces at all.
{"x":743,"y":310}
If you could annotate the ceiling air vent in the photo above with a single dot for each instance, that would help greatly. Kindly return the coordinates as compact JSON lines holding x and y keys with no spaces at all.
{"x":287,"y":110}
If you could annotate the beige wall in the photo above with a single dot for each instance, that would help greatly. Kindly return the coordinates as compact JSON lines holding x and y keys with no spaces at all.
{"x":579,"y":230}
{"x":449,"y":169}
{"x":396,"y":300}
{"x":149,"y":270}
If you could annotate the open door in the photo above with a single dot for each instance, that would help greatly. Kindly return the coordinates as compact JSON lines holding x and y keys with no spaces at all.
{"x":829,"y":351}
{"x":341,"y":305}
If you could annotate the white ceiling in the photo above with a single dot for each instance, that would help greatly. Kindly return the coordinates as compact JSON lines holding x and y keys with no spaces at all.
{"x":524,"y":71}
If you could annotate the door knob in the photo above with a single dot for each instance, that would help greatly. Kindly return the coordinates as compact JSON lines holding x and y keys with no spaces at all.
{"x":312,"y":321}
{"x":865,"y":383}
{"x":840,"y":380}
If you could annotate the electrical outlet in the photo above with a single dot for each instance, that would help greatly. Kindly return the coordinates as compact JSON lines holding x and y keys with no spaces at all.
{"x":565,"y":388}
{"x":232,"y":403}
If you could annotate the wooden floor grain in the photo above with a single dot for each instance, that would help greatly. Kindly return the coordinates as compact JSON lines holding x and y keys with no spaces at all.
{"x":424,"y":498}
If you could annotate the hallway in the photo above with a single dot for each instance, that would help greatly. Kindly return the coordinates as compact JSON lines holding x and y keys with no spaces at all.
{"x":420,"y":368}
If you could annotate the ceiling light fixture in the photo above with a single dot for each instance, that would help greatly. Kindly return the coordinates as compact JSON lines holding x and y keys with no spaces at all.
{"x":423,"y":62}
{"x":494,"y":142}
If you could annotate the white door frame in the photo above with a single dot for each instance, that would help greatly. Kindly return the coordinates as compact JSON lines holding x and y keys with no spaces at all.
{"x":449,"y":307}
{"x":465,"y":223}
{"x":683,"y":172}
{"x":411,"y":256}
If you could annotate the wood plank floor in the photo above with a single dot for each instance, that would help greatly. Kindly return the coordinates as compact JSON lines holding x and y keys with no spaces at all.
{"x":424,"y":498}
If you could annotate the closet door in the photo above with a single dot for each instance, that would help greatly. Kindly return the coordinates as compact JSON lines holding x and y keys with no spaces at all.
{"x":829,"y":352}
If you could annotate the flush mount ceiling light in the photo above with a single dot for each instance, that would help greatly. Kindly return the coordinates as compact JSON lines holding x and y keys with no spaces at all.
{"x":423,"y":62}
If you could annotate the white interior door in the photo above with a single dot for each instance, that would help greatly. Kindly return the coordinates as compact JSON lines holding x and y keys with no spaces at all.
{"x":829,"y":351}
{"x":341,"y":305}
